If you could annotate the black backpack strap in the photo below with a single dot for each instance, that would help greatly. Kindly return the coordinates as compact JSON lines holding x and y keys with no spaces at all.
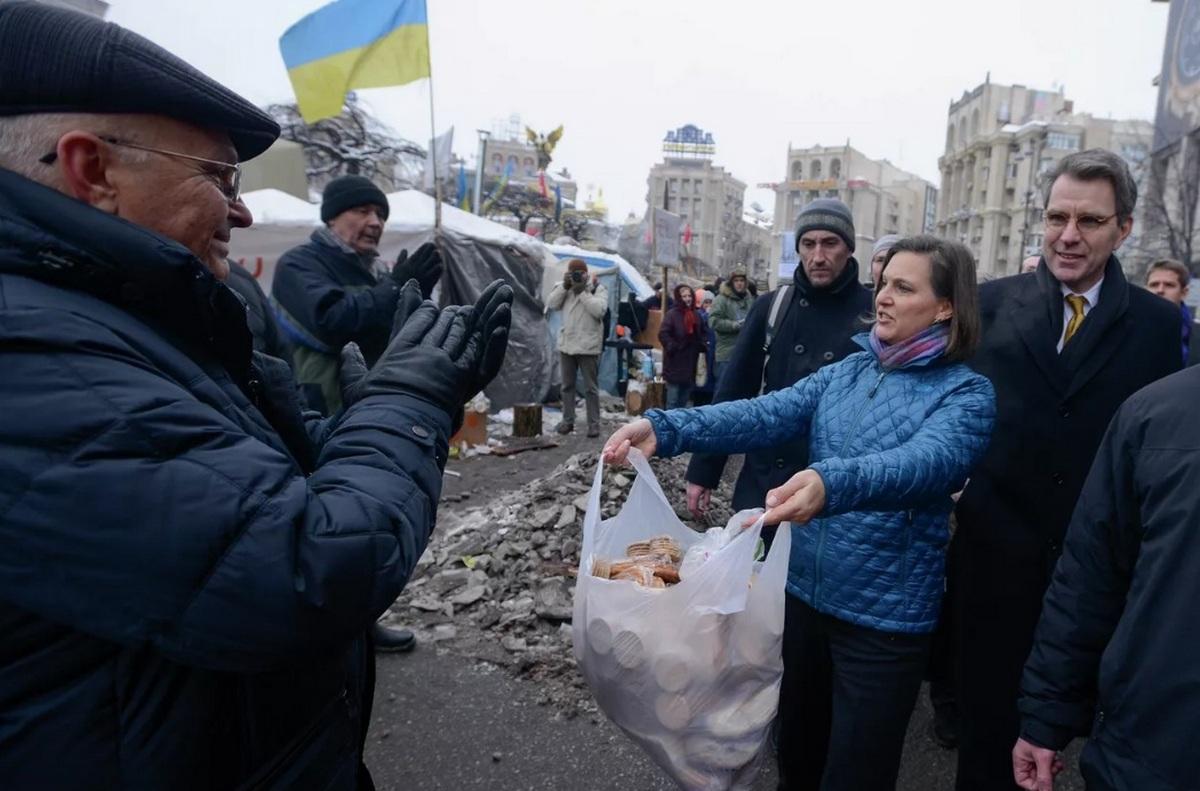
{"x":780,"y":304}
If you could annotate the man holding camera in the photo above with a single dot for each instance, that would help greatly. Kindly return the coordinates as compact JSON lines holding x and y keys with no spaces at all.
{"x":583,"y":302}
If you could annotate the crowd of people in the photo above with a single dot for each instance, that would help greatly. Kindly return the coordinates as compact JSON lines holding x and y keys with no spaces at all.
{"x":208,"y":495}
{"x":929,"y":441}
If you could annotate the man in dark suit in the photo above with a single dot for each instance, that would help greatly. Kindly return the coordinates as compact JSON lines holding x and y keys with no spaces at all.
{"x":1064,"y":346}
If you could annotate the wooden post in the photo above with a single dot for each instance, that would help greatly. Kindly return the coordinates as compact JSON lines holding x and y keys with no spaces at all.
{"x":527,"y":420}
{"x":655,"y":396}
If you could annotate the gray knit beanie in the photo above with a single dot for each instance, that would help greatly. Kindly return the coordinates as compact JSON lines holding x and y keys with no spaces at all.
{"x":826,"y":214}
{"x":885,"y":242}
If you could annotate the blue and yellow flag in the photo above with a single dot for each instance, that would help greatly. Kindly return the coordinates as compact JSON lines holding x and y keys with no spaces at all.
{"x":352,"y":44}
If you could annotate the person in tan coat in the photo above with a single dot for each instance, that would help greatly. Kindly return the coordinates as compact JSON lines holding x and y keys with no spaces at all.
{"x":583,"y":302}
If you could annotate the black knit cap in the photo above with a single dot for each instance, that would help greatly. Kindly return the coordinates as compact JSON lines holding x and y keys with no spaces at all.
{"x":54,"y":60}
{"x":346,"y":192}
{"x":826,"y":214}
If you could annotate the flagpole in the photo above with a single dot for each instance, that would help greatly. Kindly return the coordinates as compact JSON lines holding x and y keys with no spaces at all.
{"x":437,"y":183}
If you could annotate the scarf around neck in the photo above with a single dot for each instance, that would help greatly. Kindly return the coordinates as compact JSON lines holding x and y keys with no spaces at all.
{"x":928,"y":344}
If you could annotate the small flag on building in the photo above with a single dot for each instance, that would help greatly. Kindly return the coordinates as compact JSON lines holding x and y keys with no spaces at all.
{"x":350,"y":44}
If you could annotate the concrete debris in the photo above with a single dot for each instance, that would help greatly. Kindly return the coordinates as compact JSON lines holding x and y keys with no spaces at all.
{"x":502,"y":574}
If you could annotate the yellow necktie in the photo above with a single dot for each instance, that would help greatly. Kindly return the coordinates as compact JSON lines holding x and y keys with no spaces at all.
{"x":1076,"y":302}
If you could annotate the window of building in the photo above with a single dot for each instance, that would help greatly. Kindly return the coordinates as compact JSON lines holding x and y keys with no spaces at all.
{"x":835,"y":169}
{"x":1063,"y":141}
{"x":813,"y":195}
{"x":497,"y":163}
{"x":512,"y":164}
{"x":673,"y":186}
{"x":797,"y":171}
{"x":699,"y":187}
{"x":1012,"y":170}
{"x":831,"y":193}
{"x":528,"y":163}
{"x":814,"y":170}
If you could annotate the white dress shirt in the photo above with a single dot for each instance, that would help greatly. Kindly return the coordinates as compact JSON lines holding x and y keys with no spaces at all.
{"x":1090,"y":298}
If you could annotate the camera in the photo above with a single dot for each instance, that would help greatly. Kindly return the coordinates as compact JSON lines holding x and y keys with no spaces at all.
{"x":577,"y":276}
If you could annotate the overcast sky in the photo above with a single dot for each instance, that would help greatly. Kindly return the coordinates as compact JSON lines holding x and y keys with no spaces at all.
{"x":758,"y":75}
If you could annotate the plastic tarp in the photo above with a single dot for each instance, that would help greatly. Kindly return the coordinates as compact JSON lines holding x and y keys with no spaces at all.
{"x":620,"y":279}
{"x":480,"y":251}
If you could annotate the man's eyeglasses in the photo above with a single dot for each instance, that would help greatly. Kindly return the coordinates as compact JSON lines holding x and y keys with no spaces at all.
{"x":1086,"y":223}
{"x":227,"y":176}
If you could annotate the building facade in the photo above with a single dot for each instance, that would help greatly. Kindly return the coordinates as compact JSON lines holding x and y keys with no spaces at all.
{"x":883,"y":198}
{"x":519,"y":159}
{"x":1001,"y":140}
{"x":707,"y":198}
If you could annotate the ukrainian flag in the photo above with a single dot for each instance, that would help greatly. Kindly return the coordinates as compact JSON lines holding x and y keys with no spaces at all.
{"x":352,"y":44}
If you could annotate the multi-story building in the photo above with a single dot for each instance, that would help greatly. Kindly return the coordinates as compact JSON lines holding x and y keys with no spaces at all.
{"x":883,"y":198}
{"x":519,"y":159}
{"x":1000,"y":141}
{"x":708,"y":199}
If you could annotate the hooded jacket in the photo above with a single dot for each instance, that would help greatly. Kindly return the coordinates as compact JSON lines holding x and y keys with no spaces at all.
{"x":728,"y":316}
{"x":183,"y":573}
{"x":817,"y":330}
{"x":891,"y":447}
{"x":681,"y":349}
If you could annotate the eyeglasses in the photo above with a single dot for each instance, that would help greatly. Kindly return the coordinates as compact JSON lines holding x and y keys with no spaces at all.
{"x":227,"y":176}
{"x":1086,"y":223}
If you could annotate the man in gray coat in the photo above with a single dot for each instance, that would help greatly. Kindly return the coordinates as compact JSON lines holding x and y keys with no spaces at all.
{"x":583,"y":302}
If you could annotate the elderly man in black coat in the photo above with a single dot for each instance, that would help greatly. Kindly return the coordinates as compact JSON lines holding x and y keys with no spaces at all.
{"x":1116,"y":655}
{"x":188,"y":563}
{"x":1064,"y":346}
{"x":815,"y":318}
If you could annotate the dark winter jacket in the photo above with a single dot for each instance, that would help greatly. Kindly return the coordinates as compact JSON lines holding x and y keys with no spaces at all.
{"x":1051,"y":413}
{"x":681,"y":350}
{"x":728,"y":316}
{"x":710,"y":355}
{"x":325,"y":297}
{"x":818,"y":329}
{"x":179,"y":601}
{"x":891,"y":447}
{"x":260,"y":317}
{"x":1117,"y":655}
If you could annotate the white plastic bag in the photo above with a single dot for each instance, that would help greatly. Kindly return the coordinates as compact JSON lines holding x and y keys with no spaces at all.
{"x":691,"y":672}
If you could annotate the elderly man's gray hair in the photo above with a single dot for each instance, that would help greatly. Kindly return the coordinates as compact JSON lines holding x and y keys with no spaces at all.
{"x":25,"y":139}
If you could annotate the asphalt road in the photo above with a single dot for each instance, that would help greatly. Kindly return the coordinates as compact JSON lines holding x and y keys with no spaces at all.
{"x":443,"y":721}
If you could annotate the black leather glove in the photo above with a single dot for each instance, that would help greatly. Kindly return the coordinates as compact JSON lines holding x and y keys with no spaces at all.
{"x":351,"y":372}
{"x":493,"y":318}
{"x":424,"y":266}
{"x":433,"y":357}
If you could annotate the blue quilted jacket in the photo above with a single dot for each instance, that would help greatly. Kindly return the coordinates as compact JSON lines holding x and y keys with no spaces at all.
{"x":891,"y":448}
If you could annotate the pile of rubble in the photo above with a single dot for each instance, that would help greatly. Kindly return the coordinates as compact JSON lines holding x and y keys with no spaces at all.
{"x":497,"y":581}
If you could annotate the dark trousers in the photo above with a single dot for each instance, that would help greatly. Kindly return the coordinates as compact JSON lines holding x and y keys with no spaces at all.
{"x":847,"y":695}
{"x":997,"y":596}
{"x":586,"y":365}
{"x":678,"y":395}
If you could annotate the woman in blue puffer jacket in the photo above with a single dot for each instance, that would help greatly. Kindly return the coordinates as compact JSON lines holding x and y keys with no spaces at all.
{"x":893,"y":431}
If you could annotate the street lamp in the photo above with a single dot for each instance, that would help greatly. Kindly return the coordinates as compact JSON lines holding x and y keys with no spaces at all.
{"x":480,"y":166}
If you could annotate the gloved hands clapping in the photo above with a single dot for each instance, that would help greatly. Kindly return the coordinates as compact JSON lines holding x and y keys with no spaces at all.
{"x":424,"y":266}
{"x":442,"y":358}
{"x":493,"y":316}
